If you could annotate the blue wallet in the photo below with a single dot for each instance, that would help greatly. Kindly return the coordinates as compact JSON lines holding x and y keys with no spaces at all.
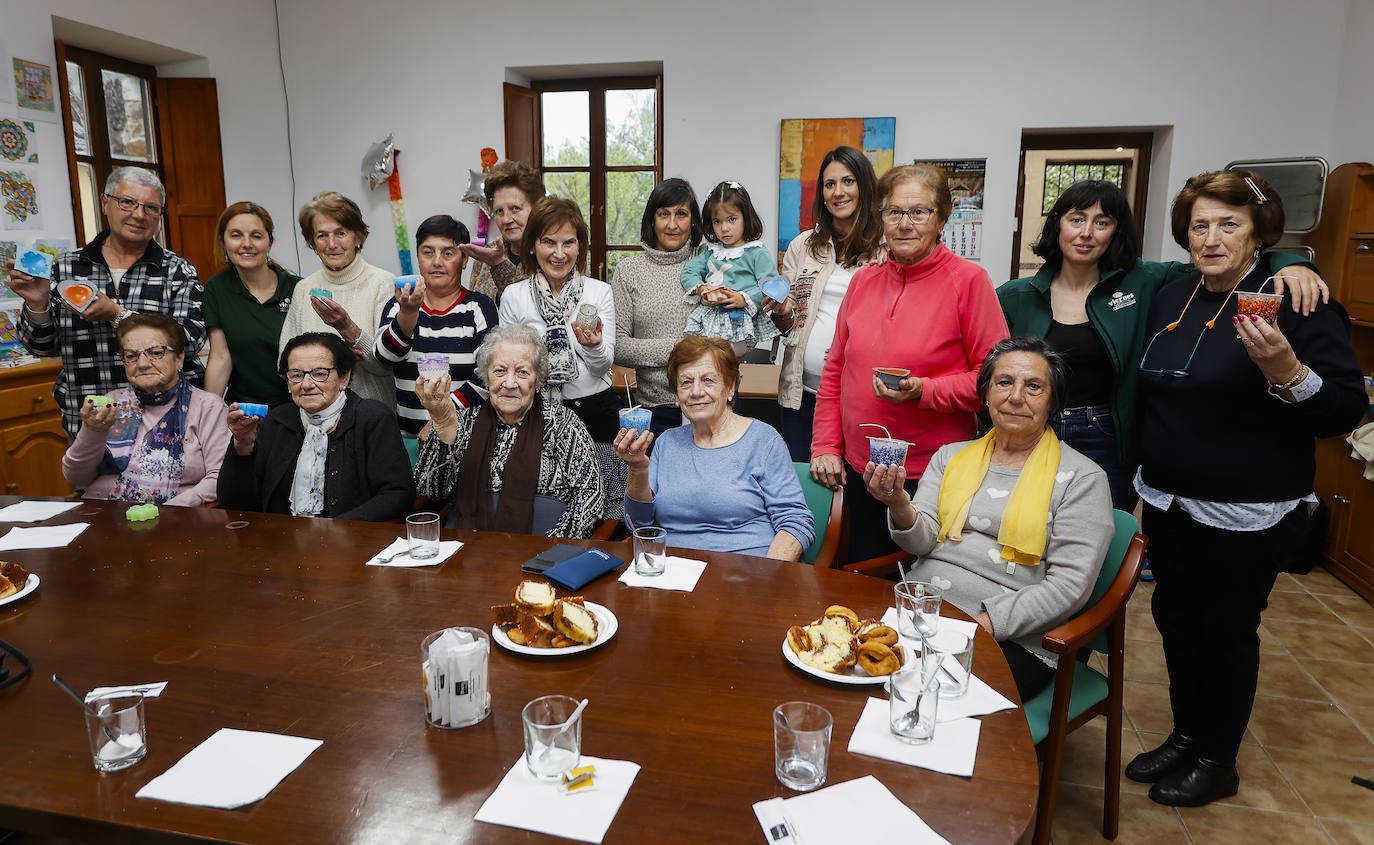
{"x":576,"y":573}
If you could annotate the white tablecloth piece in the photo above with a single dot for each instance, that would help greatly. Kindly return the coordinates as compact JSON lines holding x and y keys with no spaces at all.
{"x":980,"y":700}
{"x":447,"y":548}
{"x":679,"y":573}
{"x":53,"y":537}
{"x":230,"y":769}
{"x":828,"y":816}
{"x":524,"y":802}
{"x":35,"y":511}
{"x":952,"y":751}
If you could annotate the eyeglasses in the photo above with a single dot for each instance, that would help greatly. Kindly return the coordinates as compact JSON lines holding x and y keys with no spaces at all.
{"x":154,"y":353}
{"x":131,"y":205}
{"x":1206,"y":327}
{"x":317,"y":375}
{"x":919,"y":214}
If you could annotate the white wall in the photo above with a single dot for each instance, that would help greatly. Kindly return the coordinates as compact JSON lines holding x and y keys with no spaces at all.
{"x":1353,"y":130}
{"x":237,"y":45}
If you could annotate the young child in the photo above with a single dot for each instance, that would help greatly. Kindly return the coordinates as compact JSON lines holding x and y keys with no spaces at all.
{"x":725,"y":277}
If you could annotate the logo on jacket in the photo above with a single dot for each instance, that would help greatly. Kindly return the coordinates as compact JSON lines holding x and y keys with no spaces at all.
{"x":1121,"y":300}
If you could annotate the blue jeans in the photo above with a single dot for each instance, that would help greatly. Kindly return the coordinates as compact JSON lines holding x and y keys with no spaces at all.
{"x":796,"y":427}
{"x":1091,"y":430}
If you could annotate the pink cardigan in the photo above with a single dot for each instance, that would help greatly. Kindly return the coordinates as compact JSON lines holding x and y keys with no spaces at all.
{"x":938,"y":318}
{"x":207,"y":439}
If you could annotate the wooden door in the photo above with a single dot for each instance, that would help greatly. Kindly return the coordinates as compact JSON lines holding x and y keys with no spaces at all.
{"x":522,"y":124}
{"x":193,"y":167}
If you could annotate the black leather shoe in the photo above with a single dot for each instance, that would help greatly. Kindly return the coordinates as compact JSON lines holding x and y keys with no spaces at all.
{"x":1151,"y":766}
{"x":1202,"y":783}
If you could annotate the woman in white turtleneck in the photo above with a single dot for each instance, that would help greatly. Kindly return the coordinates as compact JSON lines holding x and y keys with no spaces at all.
{"x":333,"y":227}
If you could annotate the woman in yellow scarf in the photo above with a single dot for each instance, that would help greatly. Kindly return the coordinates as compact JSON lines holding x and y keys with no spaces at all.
{"x":1012,"y":526}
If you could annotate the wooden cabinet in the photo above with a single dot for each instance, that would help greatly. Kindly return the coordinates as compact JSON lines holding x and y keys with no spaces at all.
{"x":32,"y":439}
{"x":1344,"y":244}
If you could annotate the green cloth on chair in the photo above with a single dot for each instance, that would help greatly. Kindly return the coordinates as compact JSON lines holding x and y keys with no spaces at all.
{"x":818,"y":498}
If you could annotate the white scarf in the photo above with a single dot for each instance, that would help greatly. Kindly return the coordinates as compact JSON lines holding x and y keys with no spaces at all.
{"x":307,"y":488}
{"x":558,"y":338}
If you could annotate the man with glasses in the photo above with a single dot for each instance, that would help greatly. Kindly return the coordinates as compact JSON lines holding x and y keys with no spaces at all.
{"x":131,"y":273}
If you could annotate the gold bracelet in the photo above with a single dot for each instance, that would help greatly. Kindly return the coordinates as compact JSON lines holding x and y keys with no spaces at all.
{"x":1296,"y":380}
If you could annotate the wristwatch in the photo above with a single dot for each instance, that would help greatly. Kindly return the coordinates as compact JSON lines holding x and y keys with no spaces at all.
{"x":124,"y":314}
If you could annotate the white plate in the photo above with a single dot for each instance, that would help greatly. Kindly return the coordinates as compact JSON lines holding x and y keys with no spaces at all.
{"x":29,"y":586}
{"x":606,"y":626}
{"x":853,"y":675}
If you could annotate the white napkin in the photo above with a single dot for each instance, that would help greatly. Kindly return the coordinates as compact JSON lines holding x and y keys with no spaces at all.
{"x":679,"y":573}
{"x":145,"y":690}
{"x":230,"y":769}
{"x":400,"y":544}
{"x":523,"y":801}
{"x":827,"y":815}
{"x":952,"y":751}
{"x":35,"y":511}
{"x":54,"y":537}
{"x":980,"y":700}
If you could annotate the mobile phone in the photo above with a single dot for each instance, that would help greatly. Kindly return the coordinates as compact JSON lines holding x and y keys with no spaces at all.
{"x":550,"y":557}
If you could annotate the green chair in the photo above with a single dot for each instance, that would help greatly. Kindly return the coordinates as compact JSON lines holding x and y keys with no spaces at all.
{"x":827,"y":511}
{"x":412,"y":445}
{"x":1080,"y":693}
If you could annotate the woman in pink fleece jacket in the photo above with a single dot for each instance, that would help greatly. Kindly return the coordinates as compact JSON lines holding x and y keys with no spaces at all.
{"x":924,"y":310}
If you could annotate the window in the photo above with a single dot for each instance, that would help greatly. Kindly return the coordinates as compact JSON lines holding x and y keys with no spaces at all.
{"x":1059,"y":175}
{"x":601,"y":146}
{"x":109,"y":124}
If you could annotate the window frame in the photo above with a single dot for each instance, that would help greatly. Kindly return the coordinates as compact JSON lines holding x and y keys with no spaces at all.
{"x":101,"y":160}
{"x":596,"y":88}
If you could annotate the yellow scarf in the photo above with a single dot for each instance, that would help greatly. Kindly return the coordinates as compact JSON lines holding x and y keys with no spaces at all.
{"x":1022,"y":533}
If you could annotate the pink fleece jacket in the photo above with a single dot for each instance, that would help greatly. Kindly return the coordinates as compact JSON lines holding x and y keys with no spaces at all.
{"x":938,"y":318}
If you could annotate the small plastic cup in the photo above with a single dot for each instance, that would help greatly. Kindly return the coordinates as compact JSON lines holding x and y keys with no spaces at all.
{"x":550,"y":750}
{"x":253,"y":409}
{"x":887,"y":451}
{"x":650,"y":548}
{"x":950,"y":654}
{"x":1265,"y":305}
{"x":322,"y":293}
{"x":801,"y":744}
{"x":918,"y":608}
{"x":422,"y":531}
{"x":403,"y":282}
{"x":116,"y":730}
{"x":891,"y":377}
{"x":636,"y":419}
{"x":431,"y":366}
{"x":586,"y":317}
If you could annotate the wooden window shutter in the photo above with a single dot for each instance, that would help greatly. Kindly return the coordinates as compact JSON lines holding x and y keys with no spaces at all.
{"x":193,"y":167}
{"x":522,"y":124}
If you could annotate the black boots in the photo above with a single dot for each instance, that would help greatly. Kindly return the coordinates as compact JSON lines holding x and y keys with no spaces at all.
{"x":1201,"y":783}
{"x":1151,"y":766}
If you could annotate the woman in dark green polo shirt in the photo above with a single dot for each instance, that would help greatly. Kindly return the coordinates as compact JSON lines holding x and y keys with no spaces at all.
{"x":245,"y":306}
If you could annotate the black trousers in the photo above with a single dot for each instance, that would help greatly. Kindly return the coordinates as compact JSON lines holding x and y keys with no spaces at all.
{"x":868,"y":534}
{"x":1211,"y":585}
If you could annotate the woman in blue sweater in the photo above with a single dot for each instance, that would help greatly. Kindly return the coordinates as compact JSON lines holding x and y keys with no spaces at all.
{"x":723,"y":483}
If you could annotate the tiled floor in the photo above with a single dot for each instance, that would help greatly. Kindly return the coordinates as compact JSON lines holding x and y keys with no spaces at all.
{"x":1310,"y":731}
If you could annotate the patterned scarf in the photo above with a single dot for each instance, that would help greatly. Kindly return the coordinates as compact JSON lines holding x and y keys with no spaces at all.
{"x":307,"y":487}
{"x":149,"y":470}
{"x":556,"y":312}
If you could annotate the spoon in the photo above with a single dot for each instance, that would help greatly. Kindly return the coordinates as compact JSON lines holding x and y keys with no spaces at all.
{"x":109,"y":731}
{"x":389,"y":558}
{"x":562,"y":729}
{"x":787,"y":726}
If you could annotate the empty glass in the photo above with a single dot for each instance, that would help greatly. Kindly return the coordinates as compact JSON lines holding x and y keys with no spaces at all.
{"x":918,"y":608}
{"x":801,"y":744}
{"x":914,"y":702}
{"x":650,"y":544}
{"x":553,"y":745}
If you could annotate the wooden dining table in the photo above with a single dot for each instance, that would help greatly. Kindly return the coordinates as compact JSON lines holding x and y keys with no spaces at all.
{"x":274,"y":623}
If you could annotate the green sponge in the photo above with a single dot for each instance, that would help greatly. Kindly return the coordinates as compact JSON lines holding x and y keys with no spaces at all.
{"x":139,"y":513}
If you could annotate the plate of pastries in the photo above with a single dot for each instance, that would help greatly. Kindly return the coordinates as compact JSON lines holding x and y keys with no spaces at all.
{"x":841,"y":647}
{"x":15,"y":582}
{"x":539,"y":622}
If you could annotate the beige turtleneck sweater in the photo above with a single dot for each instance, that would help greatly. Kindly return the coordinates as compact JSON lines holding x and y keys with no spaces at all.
{"x":363,"y":291}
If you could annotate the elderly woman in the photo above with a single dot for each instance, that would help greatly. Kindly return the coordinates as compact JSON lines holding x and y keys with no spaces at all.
{"x":159,"y":440}
{"x":556,"y":243}
{"x":512,"y":188}
{"x":723,"y":483}
{"x":1230,"y":405}
{"x":924,"y":310}
{"x":649,"y":309}
{"x":331,"y":453}
{"x":346,"y":295}
{"x":436,"y":317}
{"x":1017,"y":496}
{"x":245,"y":307}
{"x":820,"y":264}
{"x":516,"y":462}
{"x":1090,"y":302}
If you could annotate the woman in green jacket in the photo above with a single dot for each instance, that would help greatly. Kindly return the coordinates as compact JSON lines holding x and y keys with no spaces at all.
{"x":1090,"y":302}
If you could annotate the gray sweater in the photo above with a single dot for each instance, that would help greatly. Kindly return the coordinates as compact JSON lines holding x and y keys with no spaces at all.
{"x":650,"y":316}
{"x":1031,"y":600}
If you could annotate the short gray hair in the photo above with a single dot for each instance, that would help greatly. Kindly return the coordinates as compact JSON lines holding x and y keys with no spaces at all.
{"x":138,"y":176}
{"x":514,"y":333}
{"x":1059,"y":369}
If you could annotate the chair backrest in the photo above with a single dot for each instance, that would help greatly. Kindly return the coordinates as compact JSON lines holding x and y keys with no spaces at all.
{"x":818,"y":498}
{"x":1126,"y":527}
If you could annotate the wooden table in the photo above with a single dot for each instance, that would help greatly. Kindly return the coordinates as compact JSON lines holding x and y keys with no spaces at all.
{"x":277,"y":626}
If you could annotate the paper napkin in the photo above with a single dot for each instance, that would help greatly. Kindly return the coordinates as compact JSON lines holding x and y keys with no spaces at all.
{"x":952,"y":751}
{"x":35,"y":511}
{"x":54,"y":537}
{"x":827,"y":815}
{"x":523,"y":801}
{"x":447,"y":548}
{"x":230,"y":769}
{"x":679,"y":573}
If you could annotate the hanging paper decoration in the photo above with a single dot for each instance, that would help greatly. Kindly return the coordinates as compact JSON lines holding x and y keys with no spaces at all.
{"x":14,"y":142}
{"x":380,"y":165}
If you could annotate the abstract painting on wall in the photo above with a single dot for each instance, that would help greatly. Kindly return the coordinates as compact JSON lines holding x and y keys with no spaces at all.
{"x":805,"y":142}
